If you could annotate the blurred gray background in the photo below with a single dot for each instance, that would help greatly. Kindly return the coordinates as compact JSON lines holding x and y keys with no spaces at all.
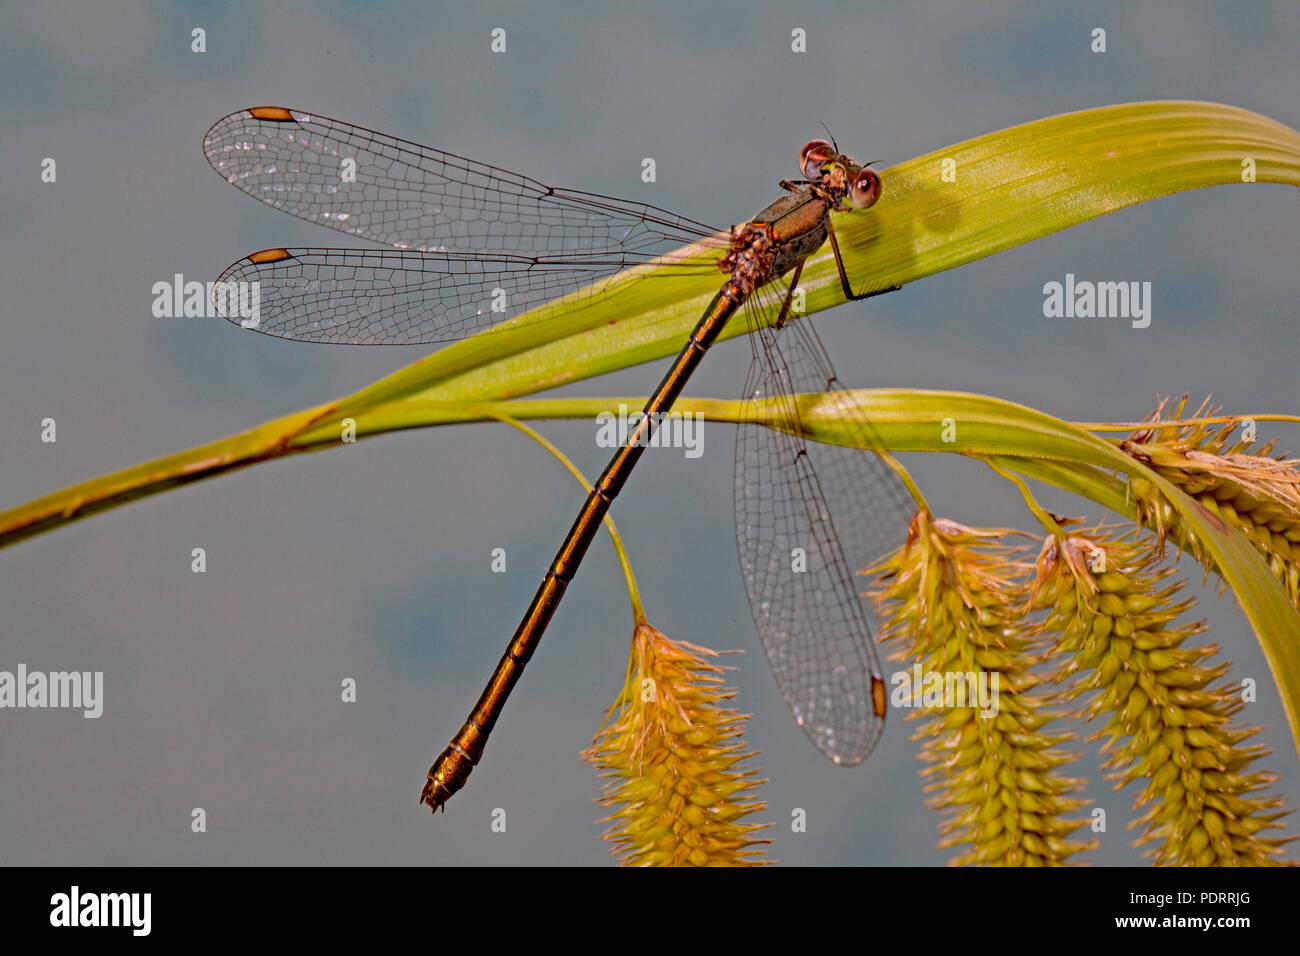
{"x":222,"y":690}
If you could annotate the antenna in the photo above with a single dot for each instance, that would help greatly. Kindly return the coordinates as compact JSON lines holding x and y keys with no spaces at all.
{"x":832,"y":136}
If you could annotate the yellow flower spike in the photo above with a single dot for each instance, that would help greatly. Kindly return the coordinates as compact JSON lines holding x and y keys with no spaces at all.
{"x":1167,"y":725}
{"x":1249,"y":490}
{"x":676,"y":762}
{"x":954,"y":599}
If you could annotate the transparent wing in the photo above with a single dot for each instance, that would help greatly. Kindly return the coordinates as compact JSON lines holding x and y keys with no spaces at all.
{"x":477,"y":244}
{"x":377,"y":297}
{"x":808,"y":516}
{"x":409,"y":196}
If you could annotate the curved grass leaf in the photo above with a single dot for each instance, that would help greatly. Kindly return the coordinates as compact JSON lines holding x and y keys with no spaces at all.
{"x":1011,"y":187}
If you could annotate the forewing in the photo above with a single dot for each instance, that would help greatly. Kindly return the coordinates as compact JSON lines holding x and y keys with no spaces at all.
{"x":409,"y":196}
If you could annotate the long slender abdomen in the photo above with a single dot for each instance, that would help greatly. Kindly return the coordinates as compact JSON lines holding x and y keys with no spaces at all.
{"x":454,"y":765}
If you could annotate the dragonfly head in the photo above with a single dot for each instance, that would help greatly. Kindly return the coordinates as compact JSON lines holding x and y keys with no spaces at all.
{"x":823,"y":164}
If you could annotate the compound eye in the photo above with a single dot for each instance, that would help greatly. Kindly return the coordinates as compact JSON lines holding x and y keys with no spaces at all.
{"x":865,"y":189}
{"x":813,"y":156}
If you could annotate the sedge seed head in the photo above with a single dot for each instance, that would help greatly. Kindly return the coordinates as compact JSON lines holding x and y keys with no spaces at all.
{"x":1251,"y":490}
{"x":677,"y":787}
{"x":954,"y":599}
{"x":1121,"y":640}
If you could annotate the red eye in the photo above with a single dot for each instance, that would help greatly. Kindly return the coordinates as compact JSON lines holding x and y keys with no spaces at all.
{"x":865,"y":189}
{"x":813,"y":156}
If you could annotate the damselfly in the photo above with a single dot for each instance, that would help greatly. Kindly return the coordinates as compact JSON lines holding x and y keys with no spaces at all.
{"x":462,"y":234}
